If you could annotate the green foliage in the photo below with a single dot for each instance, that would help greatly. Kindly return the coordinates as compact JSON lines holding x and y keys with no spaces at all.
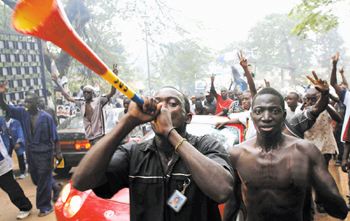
{"x":182,"y":63}
{"x":314,"y":16}
{"x":274,"y":46}
{"x":326,"y":44}
{"x":276,"y":49}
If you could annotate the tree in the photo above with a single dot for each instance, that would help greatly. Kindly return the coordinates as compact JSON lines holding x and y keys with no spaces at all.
{"x":97,"y":23}
{"x":326,"y":44}
{"x":182,"y":63}
{"x":274,"y":47}
{"x":277,"y":50}
{"x":314,"y":16}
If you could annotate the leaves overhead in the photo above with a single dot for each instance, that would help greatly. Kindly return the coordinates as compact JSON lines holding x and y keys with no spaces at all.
{"x":275,"y":49}
{"x":182,"y":63}
{"x":314,"y":16}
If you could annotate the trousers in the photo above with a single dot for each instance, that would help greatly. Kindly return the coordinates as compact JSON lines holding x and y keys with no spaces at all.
{"x":15,"y":192}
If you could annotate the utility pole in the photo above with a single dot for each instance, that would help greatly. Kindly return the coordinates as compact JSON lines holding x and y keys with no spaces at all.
{"x":147,"y":57}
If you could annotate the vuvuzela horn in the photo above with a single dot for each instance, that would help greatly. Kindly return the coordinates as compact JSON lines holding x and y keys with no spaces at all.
{"x":47,"y":20}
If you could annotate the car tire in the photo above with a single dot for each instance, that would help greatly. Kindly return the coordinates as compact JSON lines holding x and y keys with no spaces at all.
{"x":62,"y":171}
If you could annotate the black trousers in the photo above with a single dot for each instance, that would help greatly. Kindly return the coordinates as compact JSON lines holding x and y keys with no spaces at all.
{"x":14,"y":191}
{"x":21,"y":163}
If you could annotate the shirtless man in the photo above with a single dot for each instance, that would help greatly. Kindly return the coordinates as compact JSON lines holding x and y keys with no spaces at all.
{"x":274,"y":170}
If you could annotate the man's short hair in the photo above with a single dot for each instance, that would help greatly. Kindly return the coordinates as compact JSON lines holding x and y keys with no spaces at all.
{"x":295,"y":93}
{"x":187,"y":102}
{"x":269,"y":90}
{"x":223,"y":89}
{"x":32,"y":95}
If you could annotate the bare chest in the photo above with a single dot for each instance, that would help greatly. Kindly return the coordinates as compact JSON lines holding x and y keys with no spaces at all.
{"x":273,"y":170}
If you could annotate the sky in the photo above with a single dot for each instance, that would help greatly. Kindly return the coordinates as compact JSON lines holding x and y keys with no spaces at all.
{"x":225,"y":21}
{"x":216,"y":24}
{"x":221,"y":22}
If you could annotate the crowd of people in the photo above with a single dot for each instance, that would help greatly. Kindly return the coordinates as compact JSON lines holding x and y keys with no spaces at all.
{"x":280,"y":171}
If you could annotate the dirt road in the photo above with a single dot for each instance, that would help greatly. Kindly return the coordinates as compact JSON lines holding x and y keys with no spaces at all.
{"x":8,"y":211}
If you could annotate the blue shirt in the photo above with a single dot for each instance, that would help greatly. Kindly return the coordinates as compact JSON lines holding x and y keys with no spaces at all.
{"x":5,"y":134}
{"x":44,"y":133}
{"x":17,"y":135}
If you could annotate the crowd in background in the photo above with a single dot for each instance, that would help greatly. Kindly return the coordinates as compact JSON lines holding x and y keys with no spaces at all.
{"x":235,"y":105}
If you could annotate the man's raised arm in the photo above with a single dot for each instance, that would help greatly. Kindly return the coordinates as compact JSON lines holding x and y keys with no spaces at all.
{"x":334,"y":83}
{"x":61,"y":89}
{"x":323,"y":87}
{"x":303,"y":121}
{"x":111,"y":93}
{"x":212,"y":87}
{"x":344,"y":81}
{"x":244,"y":63}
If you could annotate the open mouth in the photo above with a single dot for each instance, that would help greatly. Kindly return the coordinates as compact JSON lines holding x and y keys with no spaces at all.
{"x":266,"y":129}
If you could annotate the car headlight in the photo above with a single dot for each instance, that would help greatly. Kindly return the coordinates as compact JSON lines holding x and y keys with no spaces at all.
{"x":65,"y":192}
{"x":72,"y":206}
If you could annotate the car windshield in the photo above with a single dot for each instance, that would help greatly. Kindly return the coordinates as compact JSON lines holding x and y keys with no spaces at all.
{"x":72,"y":123}
{"x":111,"y":116}
{"x":228,"y":136}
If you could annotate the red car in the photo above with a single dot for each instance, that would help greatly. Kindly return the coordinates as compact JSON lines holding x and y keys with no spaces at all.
{"x":76,"y":205}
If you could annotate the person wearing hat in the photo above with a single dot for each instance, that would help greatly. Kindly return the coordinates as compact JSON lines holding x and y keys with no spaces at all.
{"x":91,"y":109}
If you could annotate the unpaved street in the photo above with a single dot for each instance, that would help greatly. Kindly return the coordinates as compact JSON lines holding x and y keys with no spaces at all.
{"x":8,"y":211}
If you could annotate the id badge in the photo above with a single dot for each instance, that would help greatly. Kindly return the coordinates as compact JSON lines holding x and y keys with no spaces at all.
{"x":177,"y":200}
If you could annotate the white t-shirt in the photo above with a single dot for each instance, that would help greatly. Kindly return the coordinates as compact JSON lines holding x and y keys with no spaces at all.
{"x":6,"y":162}
{"x":346,"y":123}
{"x":246,"y":120}
{"x":291,"y":113}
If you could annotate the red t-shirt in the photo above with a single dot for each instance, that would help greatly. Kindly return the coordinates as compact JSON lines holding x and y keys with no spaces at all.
{"x":221,"y":103}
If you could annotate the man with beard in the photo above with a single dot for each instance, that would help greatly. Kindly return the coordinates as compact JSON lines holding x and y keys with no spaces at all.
{"x":91,"y":109}
{"x":281,"y":167}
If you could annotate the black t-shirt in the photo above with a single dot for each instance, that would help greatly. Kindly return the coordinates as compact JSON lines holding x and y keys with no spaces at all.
{"x":138,"y":167}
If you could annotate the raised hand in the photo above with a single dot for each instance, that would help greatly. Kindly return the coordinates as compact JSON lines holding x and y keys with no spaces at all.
{"x":335,"y":58}
{"x":267,"y":83}
{"x":341,"y":71}
{"x":54,"y":77}
{"x":212,"y":77}
{"x":321,"y":85}
{"x":242,"y":60}
{"x":115,"y":69}
{"x":145,"y":113}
